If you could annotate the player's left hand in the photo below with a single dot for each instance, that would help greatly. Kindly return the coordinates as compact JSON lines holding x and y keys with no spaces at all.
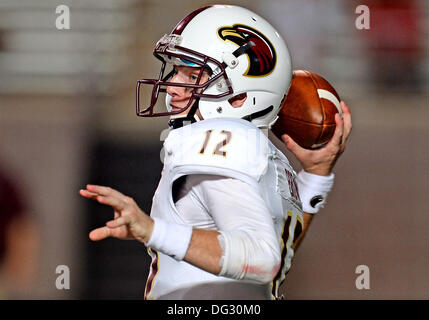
{"x":322,"y":161}
{"x":129,"y":222}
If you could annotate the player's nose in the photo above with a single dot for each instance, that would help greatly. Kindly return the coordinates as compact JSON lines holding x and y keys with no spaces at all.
{"x":174,"y":90}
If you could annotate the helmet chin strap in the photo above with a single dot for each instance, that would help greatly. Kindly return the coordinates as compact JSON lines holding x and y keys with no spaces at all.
{"x":191,"y":117}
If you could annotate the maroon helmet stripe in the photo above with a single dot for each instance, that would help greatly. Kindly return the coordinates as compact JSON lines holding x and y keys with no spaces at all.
{"x":182,"y":24}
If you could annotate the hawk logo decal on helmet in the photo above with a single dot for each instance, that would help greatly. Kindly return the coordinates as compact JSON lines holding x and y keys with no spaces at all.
{"x":262,"y":56}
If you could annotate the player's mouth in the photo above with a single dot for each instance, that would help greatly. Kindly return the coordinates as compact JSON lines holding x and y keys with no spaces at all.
{"x":175,"y":108}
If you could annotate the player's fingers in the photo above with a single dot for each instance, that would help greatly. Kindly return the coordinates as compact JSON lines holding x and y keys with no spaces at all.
{"x":100,"y":234}
{"x":292,"y":146}
{"x":114,"y":202}
{"x":337,"y":138}
{"x":119,"y":222}
{"x":347,"y":118}
{"x":103,"y":191}
{"x":87,"y":194}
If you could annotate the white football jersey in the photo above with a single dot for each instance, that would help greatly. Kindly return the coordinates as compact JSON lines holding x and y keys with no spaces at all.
{"x":252,"y":168}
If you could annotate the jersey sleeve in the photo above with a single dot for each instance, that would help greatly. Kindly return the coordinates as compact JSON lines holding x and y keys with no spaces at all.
{"x":227,"y":148}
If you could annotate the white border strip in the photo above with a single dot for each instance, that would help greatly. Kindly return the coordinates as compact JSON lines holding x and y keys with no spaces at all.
{"x":324,"y":94}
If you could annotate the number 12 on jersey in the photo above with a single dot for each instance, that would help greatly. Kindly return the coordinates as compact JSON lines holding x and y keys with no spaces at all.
{"x":218,"y":149}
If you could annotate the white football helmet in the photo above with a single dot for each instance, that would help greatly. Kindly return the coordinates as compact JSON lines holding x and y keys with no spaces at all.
{"x":243,"y":53}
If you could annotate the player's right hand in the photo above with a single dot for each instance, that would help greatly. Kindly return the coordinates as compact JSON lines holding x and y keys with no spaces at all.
{"x":322,"y":161}
{"x":129,"y":222}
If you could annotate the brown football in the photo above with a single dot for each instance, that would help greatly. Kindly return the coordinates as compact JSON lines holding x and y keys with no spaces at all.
{"x":308,"y":112}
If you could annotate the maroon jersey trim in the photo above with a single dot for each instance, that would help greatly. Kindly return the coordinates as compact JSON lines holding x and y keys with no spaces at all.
{"x":153,"y":273}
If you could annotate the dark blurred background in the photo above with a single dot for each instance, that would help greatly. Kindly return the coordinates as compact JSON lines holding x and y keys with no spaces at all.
{"x":67,"y":118}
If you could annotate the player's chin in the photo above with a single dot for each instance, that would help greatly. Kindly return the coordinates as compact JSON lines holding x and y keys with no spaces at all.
{"x":179,"y":114}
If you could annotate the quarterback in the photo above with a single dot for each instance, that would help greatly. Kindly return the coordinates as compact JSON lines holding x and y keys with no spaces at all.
{"x":229,"y":210}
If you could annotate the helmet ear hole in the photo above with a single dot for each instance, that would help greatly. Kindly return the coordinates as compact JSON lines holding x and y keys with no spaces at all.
{"x":238,"y":100}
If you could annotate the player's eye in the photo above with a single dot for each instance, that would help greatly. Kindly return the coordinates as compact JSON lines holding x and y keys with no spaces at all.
{"x":194,"y":77}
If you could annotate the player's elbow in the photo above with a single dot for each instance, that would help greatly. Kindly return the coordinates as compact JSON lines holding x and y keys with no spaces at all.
{"x":267,"y":271}
{"x":268,"y":259}
{"x":250,"y":258}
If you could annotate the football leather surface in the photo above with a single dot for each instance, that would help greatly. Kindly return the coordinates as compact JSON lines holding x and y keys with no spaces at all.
{"x":308,"y":111}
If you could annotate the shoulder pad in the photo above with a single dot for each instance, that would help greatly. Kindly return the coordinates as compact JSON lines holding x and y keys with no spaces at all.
{"x":215,"y":145}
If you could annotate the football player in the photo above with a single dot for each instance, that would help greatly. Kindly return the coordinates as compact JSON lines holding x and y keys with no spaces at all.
{"x":228,"y":211}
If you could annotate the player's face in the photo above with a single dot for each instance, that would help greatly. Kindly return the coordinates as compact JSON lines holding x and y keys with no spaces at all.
{"x":180,"y":96}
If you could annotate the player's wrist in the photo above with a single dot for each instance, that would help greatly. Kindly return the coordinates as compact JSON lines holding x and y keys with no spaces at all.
{"x":313,"y":190}
{"x":319,"y":169}
{"x":170,"y":238}
{"x":149,"y":229}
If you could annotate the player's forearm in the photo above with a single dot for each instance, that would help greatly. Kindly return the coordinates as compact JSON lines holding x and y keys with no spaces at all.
{"x":255,"y":260}
{"x":204,"y":251}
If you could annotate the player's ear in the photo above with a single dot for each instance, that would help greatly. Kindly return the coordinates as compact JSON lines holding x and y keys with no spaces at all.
{"x":238,"y":100}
